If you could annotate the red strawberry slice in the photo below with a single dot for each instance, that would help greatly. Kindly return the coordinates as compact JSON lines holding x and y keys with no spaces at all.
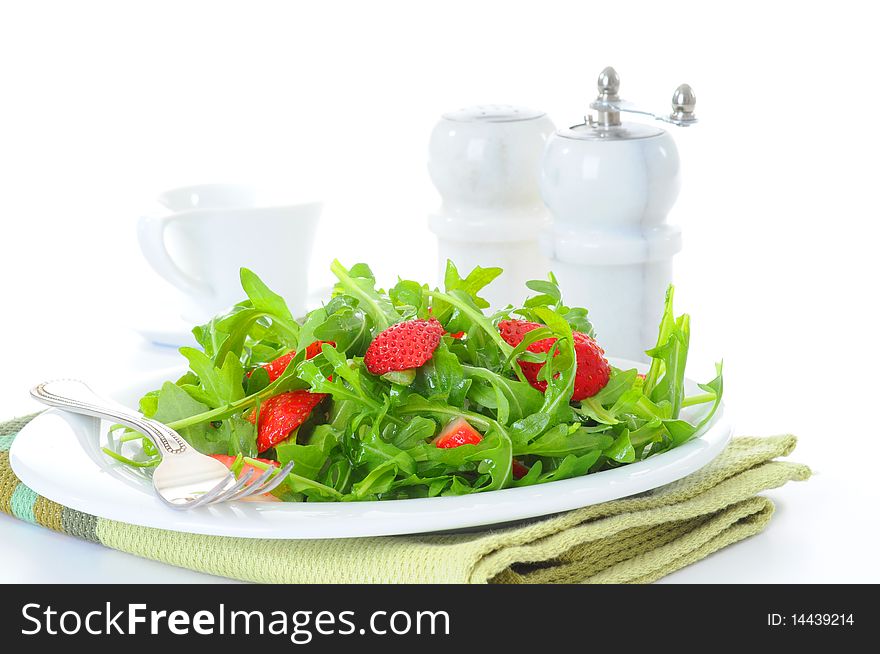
{"x":403,"y":346}
{"x":519,"y":470}
{"x":314,"y":349}
{"x":514,"y":331}
{"x":592,"y":372}
{"x":281,"y":414}
{"x":277,"y":367}
{"x":458,"y":432}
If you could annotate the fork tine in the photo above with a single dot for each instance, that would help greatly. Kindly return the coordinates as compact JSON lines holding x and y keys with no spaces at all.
{"x":208,"y":497}
{"x":277,"y":479}
{"x":253,"y":488}
{"x":246,"y":480}
{"x":261,"y":487}
{"x":241,"y":488}
{"x":223,"y":491}
{"x":272,"y":482}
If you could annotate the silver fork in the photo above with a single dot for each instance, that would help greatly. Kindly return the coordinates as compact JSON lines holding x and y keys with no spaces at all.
{"x":185,"y":478}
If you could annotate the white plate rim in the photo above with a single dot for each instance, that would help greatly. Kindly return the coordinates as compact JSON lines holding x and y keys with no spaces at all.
{"x":98,"y":489}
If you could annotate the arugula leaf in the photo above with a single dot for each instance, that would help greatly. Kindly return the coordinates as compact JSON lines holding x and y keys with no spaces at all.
{"x":571,"y":466}
{"x":513,"y":399}
{"x":263,"y":298}
{"x":493,"y":457}
{"x":240,"y":436}
{"x":550,"y":296}
{"x":667,"y":326}
{"x":529,"y":428}
{"x":562,"y":440}
{"x":621,"y":450}
{"x":559,"y":371}
{"x":443,"y":377}
{"x":476,"y":280}
{"x":468,"y":309}
{"x":592,"y":408}
{"x":257,"y":381}
{"x":149,"y":403}
{"x":577,"y":318}
{"x":415,"y":432}
{"x":682,"y":431}
{"x":374,"y":451}
{"x":309,"y":459}
{"x":379,"y":480}
{"x":173,"y":404}
{"x":619,"y":382}
{"x":221,"y":386}
{"x":350,"y":379}
{"x":548,"y":288}
{"x":346,"y":326}
{"x":409,"y":299}
{"x":360,"y":283}
{"x":673,"y":355}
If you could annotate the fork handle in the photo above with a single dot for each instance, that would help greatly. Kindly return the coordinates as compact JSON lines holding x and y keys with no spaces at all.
{"x":73,"y":395}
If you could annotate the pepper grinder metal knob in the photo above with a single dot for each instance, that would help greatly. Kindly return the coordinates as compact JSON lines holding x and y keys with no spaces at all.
{"x":684,"y":101}
{"x":609,"y":85}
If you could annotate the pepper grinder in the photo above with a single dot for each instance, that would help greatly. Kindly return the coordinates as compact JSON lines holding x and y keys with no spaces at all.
{"x":609,"y":186}
{"x":485,"y":162}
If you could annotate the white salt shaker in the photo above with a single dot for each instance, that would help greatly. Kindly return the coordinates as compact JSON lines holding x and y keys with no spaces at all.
{"x":609,"y":186}
{"x":485,"y":161}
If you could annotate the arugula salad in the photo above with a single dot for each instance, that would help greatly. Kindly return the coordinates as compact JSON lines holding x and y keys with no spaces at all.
{"x":418,"y":392}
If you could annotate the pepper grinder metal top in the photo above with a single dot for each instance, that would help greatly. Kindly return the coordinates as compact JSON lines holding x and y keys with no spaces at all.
{"x":608,"y":104}
{"x":605,"y":122}
{"x":609,"y":184}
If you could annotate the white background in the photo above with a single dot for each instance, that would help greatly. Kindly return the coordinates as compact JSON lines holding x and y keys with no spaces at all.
{"x":103,"y":104}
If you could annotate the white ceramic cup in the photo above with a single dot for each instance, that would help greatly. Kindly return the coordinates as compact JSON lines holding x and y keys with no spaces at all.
{"x":202,"y":235}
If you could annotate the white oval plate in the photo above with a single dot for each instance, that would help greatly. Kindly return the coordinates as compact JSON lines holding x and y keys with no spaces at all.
{"x":58,"y":455}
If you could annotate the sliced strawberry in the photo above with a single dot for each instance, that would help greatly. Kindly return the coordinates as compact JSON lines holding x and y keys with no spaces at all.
{"x":514,"y":331}
{"x":314,"y":349}
{"x":519,"y":470}
{"x":277,"y":367}
{"x":458,"y":432}
{"x":592,"y":372}
{"x":403,"y":346}
{"x":227,"y":460}
{"x":281,"y":414}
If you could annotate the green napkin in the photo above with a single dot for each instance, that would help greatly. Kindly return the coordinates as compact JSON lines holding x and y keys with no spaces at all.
{"x":634,"y":540}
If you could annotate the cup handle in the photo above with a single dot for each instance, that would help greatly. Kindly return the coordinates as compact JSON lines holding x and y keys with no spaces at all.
{"x":151,"y":237}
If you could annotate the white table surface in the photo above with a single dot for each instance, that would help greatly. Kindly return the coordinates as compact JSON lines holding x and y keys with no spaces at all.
{"x":824,"y":530}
